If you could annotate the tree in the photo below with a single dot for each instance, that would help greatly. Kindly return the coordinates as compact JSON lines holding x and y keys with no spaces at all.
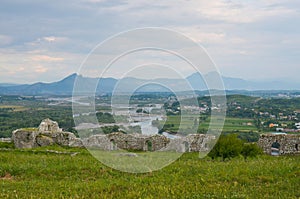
{"x":250,"y":150}
{"x":110,"y":129}
{"x":227,"y":147}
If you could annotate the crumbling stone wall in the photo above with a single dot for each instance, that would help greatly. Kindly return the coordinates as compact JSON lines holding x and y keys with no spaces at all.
{"x":192,"y":143}
{"x":101,"y":142}
{"x":118,"y":140}
{"x":47,"y":134}
{"x":200,"y":142}
{"x":288,"y":143}
{"x":23,"y":138}
{"x":48,"y":125}
{"x":139,"y":142}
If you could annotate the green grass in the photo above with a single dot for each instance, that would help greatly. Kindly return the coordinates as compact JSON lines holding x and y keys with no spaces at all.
{"x":40,"y":174}
{"x":30,"y":129}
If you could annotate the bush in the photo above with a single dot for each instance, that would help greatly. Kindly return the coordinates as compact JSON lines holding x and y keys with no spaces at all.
{"x":230,"y":146}
{"x":7,"y":145}
{"x":227,"y":147}
{"x":250,"y":150}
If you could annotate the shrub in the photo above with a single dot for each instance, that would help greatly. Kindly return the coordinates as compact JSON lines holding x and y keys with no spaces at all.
{"x":227,"y":147}
{"x":230,"y":146}
{"x":250,"y":150}
{"x":7,"y":145}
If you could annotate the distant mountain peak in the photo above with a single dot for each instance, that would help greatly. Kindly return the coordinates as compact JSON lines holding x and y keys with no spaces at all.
{"x":72,"y":76}
{"x":107,"y":85}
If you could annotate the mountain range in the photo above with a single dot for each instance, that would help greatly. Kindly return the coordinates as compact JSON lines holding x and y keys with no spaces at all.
{"x":107,"y":85}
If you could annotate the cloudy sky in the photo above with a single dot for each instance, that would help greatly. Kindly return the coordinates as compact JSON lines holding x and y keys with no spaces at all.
{"x":48,"y":40}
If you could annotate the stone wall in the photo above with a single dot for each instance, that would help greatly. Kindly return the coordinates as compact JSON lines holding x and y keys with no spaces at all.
{"x":118,"y":140}
{"x":283,"y":143}
{"x":24,"y":138}
{"x":47,"y":134}
{"x":139,"y":142}
{"x":191,"y":143}
{"x":48,"y":125}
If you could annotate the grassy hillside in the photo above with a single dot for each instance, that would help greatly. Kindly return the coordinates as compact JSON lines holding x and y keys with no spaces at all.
{"x":42,"y":174}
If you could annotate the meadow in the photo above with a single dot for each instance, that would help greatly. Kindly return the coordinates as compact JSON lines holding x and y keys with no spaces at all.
{"x":74,"y":173}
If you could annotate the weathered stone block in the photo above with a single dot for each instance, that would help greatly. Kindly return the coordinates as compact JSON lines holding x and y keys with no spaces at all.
{"x":47,"y":134}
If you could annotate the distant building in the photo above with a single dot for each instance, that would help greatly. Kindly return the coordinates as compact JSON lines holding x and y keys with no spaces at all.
{"x":273,"y":125}
{"x":279,"y":129}
{"x":297,"y":125}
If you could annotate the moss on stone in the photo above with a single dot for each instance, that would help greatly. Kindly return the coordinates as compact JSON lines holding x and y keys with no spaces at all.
{"x":29,"y":129}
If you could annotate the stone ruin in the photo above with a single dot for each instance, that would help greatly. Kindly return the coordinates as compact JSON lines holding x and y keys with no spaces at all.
{"x":279,"y":144}
{"x":48,"y":125}
{"x":49,"y":133}
{"x":119,"y":140}
{"x":140,"y":142}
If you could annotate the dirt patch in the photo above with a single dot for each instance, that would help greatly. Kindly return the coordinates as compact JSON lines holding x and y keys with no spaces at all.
{"x":7,"y":176}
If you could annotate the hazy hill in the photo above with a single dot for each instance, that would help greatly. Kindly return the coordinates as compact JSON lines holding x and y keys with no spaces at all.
{"x":107,"y":85}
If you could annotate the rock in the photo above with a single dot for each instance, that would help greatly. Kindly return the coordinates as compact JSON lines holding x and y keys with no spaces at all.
{"x":42,"y":140}
{"x":74,"y":154}
{"x":47,"y":134}
{"x":75,"y":142}
{"x":23,"y":138}
{"x":48,"y":125}
{"x":128,"y":154}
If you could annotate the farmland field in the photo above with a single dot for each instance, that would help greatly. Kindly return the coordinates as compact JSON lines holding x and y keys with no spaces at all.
{"x":231,"y":124}
{"x":14,"y":108}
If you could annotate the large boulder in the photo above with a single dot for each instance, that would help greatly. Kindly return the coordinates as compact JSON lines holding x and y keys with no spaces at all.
{"x":25,"y":138}
{"x":42,"y":140}
{"x":47,"y":134}
{"x":48,"y":125}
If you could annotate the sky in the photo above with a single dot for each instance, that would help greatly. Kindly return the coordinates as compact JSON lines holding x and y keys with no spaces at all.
{"x":45,"y":41}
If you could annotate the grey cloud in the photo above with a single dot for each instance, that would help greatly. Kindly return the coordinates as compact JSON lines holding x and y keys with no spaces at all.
{"x":263,"y":34}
